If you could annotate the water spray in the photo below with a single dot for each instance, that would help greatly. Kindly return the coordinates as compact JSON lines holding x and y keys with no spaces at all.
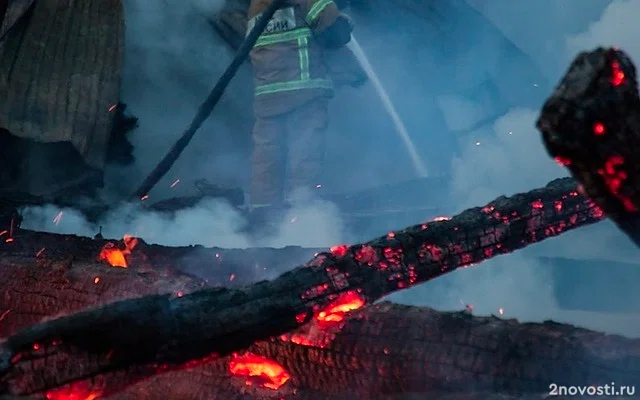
{"x":401,"y":129}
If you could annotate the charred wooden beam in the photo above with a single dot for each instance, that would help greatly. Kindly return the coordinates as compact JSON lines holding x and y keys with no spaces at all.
{"x":163,"y":332}
{"x":591,"y":124}
{"x":387,"y":350}
{"x":377,"y":352}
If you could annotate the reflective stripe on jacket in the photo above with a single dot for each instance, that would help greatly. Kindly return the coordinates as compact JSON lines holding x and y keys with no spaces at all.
{"x":289,"y":67}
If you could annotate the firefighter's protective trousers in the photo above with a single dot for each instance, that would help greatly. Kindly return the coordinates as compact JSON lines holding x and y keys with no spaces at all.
{"x":289,"y":152}
{"x":292,"y":90}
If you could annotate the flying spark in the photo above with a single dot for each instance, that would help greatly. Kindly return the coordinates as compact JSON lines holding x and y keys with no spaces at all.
{"x":58,"y":218}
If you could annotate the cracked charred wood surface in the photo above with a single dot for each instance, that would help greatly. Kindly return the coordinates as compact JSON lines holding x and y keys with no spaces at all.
{"x":387,"y":349}
{"x":157,"y":333}
{"x":39,"y":264}
{"x":398,"y":349}
{"x":377,"y":352}
{"x":591,"y":124}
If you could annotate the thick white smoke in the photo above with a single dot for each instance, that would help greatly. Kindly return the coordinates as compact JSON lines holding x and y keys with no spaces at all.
{"x":212,"y":223}
{"x":511,"y":159}
{"x":173,"y":58}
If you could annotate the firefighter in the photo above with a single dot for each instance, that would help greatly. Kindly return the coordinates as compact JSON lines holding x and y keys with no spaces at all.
{"x":292,"y":93}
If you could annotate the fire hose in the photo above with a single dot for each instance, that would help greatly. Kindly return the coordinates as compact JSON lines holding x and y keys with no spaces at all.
{"x":209,"y":104}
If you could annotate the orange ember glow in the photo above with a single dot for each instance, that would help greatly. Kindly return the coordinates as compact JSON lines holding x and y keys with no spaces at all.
{"x":116,"y":257}
{"x":261,"y":370}
{"x":77,"y":391}
{"x":336,"y":311}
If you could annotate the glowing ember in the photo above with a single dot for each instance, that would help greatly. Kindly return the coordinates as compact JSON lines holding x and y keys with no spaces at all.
{"x":598,"y":129}
{"x":143,"y":198}
{"x":337,"y":310}
{"x":232,"y":277}
{"x":614,"y":174}
{"x":96,"y":280}
{"x":113,"y":107}
{"x":563,"y":161}
{"x":39,"y":253}
{"x":339,"y":251}
{"x":301,"y":317}
{"x":366,"y":255}
{"x":113,"y":255}
{"x":558,"y":206}
{"x":63,"y":395}
{"x":501,"y":311}
{"x":76,"y":391}
{"x":302,"y":341}
{"x":266,"y":372}
{"x":436,"y":219}
{"x":116,"y":257}
{"x":617,"y":75}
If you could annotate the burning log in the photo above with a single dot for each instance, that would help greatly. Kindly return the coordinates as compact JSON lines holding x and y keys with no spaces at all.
{"x":373,"y":352}
{"x":387,"y":349}
{"x":591,"y":125}
{"x":161,"y":333}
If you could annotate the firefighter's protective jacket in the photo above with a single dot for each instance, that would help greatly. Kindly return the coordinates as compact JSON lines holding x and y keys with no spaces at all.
{"x":289,"y":69}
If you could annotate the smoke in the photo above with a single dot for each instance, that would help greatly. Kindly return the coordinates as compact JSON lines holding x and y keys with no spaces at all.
{"x":508,"y":157}
{"x":212,"y":223}
{"x":468,"y":97}
{"x":540,"y":28}
{"x":173,"y":57}
{"x":616,"y":27}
